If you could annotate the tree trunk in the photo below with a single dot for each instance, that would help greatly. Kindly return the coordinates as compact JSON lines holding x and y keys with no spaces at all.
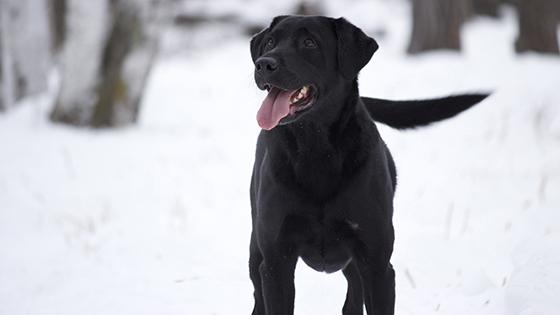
{"x":7,"y":81}
{"x":486,"y":7}
{"x":307,"y":7}
{"x":24,"y":50}
{"x":57,"y":15}
{"x":538,"y":21}
{"x":108,"y":55}
{"x":436,"y":24}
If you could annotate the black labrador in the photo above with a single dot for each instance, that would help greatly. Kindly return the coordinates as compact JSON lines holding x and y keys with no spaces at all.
{"x":323,"y":180}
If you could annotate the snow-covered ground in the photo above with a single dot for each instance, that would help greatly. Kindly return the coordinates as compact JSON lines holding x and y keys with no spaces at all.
{"x":155,"y":219}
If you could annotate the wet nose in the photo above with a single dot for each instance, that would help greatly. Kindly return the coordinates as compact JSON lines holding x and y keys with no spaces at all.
{"x":266,"y":65}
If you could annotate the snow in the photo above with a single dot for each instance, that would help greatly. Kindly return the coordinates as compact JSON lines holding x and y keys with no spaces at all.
{"x":155,"y":219}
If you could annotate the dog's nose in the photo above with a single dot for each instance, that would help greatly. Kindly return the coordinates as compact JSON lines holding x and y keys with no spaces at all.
{"x":266,"y":65}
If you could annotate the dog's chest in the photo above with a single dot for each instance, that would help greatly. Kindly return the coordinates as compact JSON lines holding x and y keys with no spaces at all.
{"x":324,"y":242}
{"x":318,"y":171}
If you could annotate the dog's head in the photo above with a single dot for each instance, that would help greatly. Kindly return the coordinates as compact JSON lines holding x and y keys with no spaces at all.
{"x":300,"y":60}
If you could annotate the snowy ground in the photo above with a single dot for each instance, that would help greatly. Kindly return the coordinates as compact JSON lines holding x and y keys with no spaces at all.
{"x":154,"y":219}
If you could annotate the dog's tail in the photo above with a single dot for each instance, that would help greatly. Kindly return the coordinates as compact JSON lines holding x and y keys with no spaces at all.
{"x":411,"y":114}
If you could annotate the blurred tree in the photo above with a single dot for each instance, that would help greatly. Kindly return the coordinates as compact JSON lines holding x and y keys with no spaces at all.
{"x":108,"y":53}
{"x":307,"y":7}
{"x":24,"y":50}
{"x":538,"y":21}
{"x":436,"y":24}
{"x":486,"y":7}
{"x":57,"y":14}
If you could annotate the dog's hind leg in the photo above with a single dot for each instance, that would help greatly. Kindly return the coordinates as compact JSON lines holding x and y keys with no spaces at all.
{"x":354,"y":304}
{"x":255,"y":260}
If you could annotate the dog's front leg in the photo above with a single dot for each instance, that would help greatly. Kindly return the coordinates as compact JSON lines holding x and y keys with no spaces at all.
{"x":255,"y":261}
{"x":277,"y":276}
{"x":354,"y":304}
{"x":378,"y":283}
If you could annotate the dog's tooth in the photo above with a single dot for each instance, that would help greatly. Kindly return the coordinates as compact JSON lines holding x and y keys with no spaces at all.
{"x":304,"y":89}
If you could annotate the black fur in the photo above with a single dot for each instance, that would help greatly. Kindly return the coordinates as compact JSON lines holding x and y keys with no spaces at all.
{"x":355,"y":48}
{"x":411,"y":114}
{"x":323,"y":180}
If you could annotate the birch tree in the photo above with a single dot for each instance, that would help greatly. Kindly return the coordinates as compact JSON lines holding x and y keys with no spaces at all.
{"x":25,"y":57}
{"x":109,"y":49}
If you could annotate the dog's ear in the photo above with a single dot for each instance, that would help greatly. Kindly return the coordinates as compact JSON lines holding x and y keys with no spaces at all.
{"x":355,"y":48}
{"x":256,"y":40}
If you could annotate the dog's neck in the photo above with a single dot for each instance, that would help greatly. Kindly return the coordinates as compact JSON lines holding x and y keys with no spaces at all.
{"x":334,"y":112}
{"x":326,"y":147}
{"x":338,"y":109}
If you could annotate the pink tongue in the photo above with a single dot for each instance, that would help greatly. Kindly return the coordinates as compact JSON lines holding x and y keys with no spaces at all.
{"x":275,"y":106}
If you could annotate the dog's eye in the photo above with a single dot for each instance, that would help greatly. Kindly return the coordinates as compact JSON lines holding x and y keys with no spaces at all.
{"x":309,"y":43}
{"x":269,"y":43}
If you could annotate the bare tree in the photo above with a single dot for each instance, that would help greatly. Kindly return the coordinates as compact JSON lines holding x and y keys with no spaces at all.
{"x":436,"y":24}
{"x":108,"y":53}
{"x":538,"y":21}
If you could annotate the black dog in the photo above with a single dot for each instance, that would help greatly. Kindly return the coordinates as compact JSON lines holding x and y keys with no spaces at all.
{"x":323,"y":179}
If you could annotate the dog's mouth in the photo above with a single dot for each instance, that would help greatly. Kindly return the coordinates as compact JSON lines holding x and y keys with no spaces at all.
{"x":281,"y":106}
